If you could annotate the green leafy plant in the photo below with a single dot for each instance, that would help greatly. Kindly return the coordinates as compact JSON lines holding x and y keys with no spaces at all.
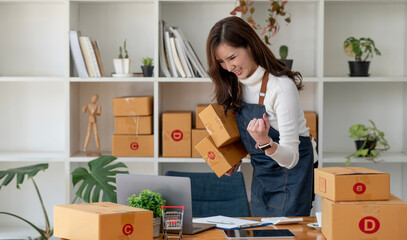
{"x":276,"y":10}
{"x":283,"y":51}
{"x":148,"y":200}
{"x":147,"y":61}
{"x":125,"y":51}
{"x":368,"y":134}
{"x":100,"y":178}
{"x":362,"y":48}
{"x":30,"y":172}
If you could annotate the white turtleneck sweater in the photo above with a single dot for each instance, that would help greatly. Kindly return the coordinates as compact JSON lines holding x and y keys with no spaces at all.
{"x":284,"y":111}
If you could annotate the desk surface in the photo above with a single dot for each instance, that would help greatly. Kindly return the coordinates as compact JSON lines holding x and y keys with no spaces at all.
{"x":301,"y":231}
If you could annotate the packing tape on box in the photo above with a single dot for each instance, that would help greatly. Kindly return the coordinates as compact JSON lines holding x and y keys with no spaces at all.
{"x":137,"y":124}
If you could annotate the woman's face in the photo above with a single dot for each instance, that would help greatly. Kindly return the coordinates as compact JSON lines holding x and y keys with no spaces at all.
{"x":236,"y":60}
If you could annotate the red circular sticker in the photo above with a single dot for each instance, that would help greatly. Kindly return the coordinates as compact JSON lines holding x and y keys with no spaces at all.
{"x":369,"y":225}
{"x":359,"y":188}
{"x":177,"y":135}
{"x":128,"y":229}
{"x":211,"y":155}
{"x":134,"y":146}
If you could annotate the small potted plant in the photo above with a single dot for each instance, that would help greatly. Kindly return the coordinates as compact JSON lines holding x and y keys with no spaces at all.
{"x":361,"y":49}
{"x":147,"y":67}
{"x":151,"y":201}
{"x":122,"y":65}
{"x":369,"y":140}
{"x":283,"y":55}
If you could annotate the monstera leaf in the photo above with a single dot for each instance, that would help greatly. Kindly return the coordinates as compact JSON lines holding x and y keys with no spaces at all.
{"x":30,"y":171}
{"x":100,"y":178}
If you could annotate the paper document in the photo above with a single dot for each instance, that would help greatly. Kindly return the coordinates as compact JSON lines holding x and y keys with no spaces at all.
{"x":281,"y":220}
{"x":228,"y":222}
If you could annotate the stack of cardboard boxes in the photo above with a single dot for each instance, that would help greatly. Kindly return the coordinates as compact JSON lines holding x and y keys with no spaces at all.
{"x":176,"y":134}
{"x":356,"y":204}
{"x":133,"y":127}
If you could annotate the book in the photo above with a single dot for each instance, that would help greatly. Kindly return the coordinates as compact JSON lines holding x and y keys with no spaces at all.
{"x":96,"y":48}
{"x":176,"y":58}
{"x":77,"y":54}
{"x":173,"y":69}
{"x":223,"y":222}
{"x":163,"y":56}
{"x":182,"y":57}
{"x":93,"y":57}
{"x":87,"y":56}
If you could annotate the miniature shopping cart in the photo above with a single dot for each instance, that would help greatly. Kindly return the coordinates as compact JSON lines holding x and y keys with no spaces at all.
{"x":172,"y":221}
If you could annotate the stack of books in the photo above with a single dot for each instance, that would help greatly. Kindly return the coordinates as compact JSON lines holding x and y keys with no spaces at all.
{"x":86,"y":55}
{"x":177,"y":57}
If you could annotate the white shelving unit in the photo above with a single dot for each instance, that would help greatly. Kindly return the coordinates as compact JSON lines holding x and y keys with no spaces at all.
{"x":41,"y":96}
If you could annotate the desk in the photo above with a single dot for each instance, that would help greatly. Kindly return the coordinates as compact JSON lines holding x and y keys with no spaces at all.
{"x":301,"y":231}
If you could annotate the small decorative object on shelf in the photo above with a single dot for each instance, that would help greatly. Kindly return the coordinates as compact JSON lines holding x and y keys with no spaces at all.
{"x":122,"y":65}
{"x":151,"y":201}
{"x":370,"y":142}
{"x":283,"y":55}
{"x":147,"y":67}
{"x":94,"y":110}
{"x":361,"y":49}
{"x":275,"y":10}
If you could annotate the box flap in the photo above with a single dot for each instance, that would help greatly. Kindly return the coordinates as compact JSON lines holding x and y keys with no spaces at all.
{"x":393,"y":200}
{"x":348,"y":170}
{"x":102,"y":208}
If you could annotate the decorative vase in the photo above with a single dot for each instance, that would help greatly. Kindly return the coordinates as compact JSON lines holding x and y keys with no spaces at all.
{"x":156,"y":226}
{"x":122,"y":66}
{"x":288,"y":62}
{"x":147,"y":71}
{"x":358,"y":68}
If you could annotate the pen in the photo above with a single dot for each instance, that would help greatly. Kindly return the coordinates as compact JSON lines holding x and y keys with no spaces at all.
{"x":221,"y":222}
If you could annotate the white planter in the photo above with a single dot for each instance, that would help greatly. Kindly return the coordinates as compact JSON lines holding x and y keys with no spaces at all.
{"x":122,"y":66}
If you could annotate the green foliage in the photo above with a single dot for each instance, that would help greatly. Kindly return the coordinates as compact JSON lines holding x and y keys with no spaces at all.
{"x":367,"y":133}
{"x":283,"y":51}
{"x":100,"y":178}
{"x":125,"y":50}
{"x":147,"y":61}
{"x":356,"y":48}
{"x":148,"y":200}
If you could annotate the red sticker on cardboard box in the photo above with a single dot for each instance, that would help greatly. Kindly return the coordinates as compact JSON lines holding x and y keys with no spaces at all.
{"x":177,"y":135}
{"x":134,"y":146}
{"x":359,"y":188}
{"x":211,"y":155}
{"x":322,"y":184}
{"x":369,"y":225}
{"x":128,"y":229}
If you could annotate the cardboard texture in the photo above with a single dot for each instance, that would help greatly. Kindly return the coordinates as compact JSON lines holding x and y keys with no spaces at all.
{"x":132,"y":106}
{"x":197,"y":136}
{"x":222,"y":128}
{"x":351,"y":183}
{"x":312,"y":123}
{"x":133,"y":125}
{"x":221,"y":159}
{"x":102,"y":221}
{"x":364,"y":220}
{"x":133,"y":145}
{"x":176,"y":138}
{"x":198,"y":123}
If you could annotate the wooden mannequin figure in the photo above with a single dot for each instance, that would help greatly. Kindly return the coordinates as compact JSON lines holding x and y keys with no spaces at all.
{"x":94,"y":110}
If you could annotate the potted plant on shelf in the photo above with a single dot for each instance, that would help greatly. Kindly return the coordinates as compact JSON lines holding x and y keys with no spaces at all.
{"x":369,"y":140}
{"x":151,"y":201}
{"x":283,"y":55}
{"x":122,"y":65}
{"x":147,"y":67}
{"x":361,"y":49}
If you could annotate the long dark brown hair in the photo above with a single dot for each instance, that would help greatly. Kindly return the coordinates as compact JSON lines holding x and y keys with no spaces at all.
{"x":235,"y":32}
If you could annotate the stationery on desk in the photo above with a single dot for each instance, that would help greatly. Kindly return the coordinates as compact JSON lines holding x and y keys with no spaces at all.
{"x":224,"y":222}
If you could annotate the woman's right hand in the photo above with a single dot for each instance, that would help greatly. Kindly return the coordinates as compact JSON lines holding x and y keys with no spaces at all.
{"x":233,"y":169}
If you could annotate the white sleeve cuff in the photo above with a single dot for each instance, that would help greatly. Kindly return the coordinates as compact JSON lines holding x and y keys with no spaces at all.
{"x":286,"y":155}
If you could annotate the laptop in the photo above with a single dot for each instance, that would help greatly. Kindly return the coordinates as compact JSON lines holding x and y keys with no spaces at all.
{"x":175,"y":190}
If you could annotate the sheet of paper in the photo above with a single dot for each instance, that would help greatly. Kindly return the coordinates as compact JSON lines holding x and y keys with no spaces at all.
{"x":227,"y":222}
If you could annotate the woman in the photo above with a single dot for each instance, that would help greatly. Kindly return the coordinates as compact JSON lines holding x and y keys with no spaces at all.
{"x":250,"y":80}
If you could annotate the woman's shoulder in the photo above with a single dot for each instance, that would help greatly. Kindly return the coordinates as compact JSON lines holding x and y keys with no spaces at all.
{"x":282,"y":82}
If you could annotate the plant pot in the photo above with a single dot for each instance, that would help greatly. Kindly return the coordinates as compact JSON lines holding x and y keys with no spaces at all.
{"x":359,"y":69}
{"x":122,"y":66}
{"x":288,"y":62}
{"x":156,"y":226}
{"x":147,"y":71}
{"x":369,"y":145}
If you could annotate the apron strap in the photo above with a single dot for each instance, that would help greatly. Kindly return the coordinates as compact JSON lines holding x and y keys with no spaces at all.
{"x":263,"y":88}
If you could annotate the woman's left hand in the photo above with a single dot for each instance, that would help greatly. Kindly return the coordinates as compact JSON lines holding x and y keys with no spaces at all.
{"x":258,"y":128}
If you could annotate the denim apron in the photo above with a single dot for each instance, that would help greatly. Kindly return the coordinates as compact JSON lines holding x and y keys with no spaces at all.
{"x":277,"y":191}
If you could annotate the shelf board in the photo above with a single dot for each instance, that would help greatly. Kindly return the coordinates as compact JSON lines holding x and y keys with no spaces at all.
{"x":368,"y":1}
{"x":32,"y":79}
{"x":163,"y":80}
{"x":385,"y":79}
{"x":112,"y":79}
{"x":387,"y":157}
{"x":81,"y":157}
{"x":32,"y":157}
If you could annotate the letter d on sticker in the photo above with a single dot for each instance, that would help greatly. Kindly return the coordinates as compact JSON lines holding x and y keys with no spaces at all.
{"x":369,"y":225}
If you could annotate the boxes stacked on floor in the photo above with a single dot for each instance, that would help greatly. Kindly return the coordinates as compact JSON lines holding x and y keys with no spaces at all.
{"x":133,"y":127}
{"x":176,"y":134}
{"x":223,"y":148}
{"x":356,"y":204}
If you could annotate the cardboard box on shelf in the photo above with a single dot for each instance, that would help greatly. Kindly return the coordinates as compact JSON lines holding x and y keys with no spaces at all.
{"x":197,"y":136}
{"x":133,"y":145}
{"x":379,"y":220}
{"x":133,"y":125}
{"x":312,"y":123}
{"x":198,"y":123}
{"x":132,"y":106}
{"x":102,"y":221}
{"x":176,"y":138}
{"x":221,"y":159}
{"x":222,"y":128}
{"x":351,"y":183}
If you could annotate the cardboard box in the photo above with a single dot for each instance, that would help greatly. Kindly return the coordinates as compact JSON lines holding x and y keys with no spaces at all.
{"x":378,"y":220}
{"x":176,"y":136}
{"x":132,"y":106}
{"x":133,"y":125}
{"x":221,"y":159}
{"x":198,"y":123}
{"x":133,"y":145}
{"x":197,"y":136}
{"x":102,"y":221}
{"x":351,"y":183}
{"x":222,"y":128}
{"x":312,"y":123}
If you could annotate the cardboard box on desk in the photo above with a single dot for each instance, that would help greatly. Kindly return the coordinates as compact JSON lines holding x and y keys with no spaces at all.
{"x":133,"y":125}
{"x":351,"y":184}
{"x":364,"y":220}
{"x":198,"y":123}
{"x":102,"y":221}
{"x":312,"y":123}
{"x":133,"y":145}
{"x":132,"y":106}
{"x":221,"y":159}
{"x":176,"y":138}
{"x":197,"y":136}
{"x":222,"y":128}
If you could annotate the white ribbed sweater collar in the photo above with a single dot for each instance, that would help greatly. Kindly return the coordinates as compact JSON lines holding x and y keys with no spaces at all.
{"x":255,"y":78}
